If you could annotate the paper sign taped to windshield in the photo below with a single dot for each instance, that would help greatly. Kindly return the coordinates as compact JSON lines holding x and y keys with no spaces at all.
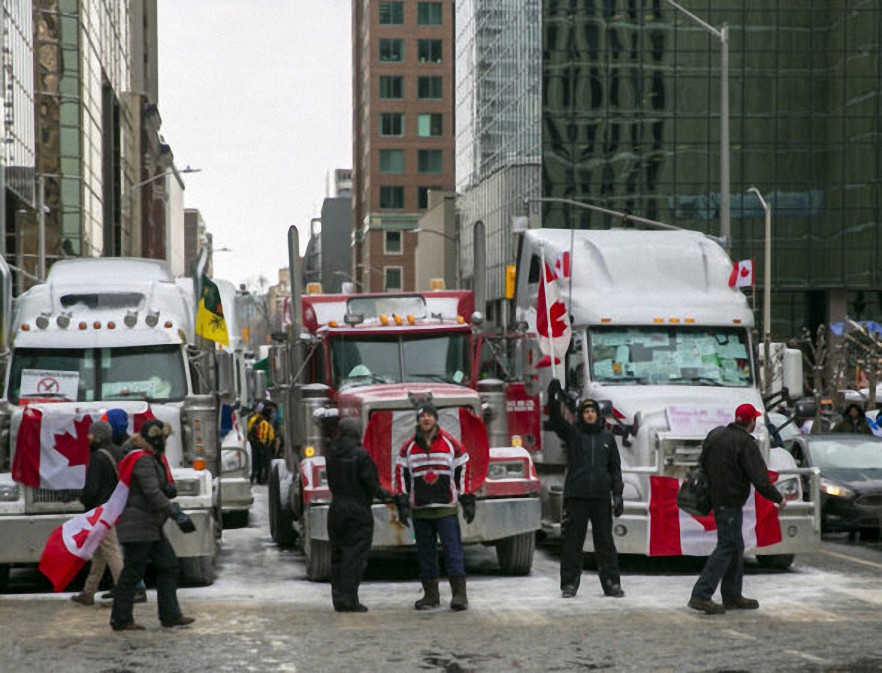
{"x":697,"y":421}
{"x":49,"y":383}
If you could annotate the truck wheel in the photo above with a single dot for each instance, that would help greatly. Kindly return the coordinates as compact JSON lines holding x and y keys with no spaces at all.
{"x":5,"y":569}
{"x":197,"y":570}
{"x":281,"y":519}
{"x":236,"y":519}
{"x":515,"y":554}
{"x":775,"y":561}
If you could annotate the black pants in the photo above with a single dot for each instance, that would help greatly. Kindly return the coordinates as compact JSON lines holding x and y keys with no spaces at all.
{"x":260,"y":462}
{"x":576,"y":514}
{"x":135,"y":558}
{"x":351,"y":531}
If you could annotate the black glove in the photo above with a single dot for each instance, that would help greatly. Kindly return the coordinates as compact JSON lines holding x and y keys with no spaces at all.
{"x":383,"y":495}
{"x":185,"y":523}
{"x":171,"y":492}
{"x":403,"y":505}
{"x":467,"y":502}
{"x":618,"y":506}
{"x":554,"y":389}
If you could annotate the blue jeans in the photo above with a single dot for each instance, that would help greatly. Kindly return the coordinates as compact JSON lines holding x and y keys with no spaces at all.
{"x":726,"y":563}
{"x":427,"y":532}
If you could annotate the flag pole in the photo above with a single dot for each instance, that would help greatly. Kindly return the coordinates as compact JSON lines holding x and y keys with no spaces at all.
{"x":547,"y":311}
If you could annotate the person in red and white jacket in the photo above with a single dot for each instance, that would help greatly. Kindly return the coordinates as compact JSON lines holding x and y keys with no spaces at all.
{"x":429,"y":480}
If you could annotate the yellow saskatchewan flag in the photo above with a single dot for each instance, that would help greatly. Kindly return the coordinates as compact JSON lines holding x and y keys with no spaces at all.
{"x":210,"y":323}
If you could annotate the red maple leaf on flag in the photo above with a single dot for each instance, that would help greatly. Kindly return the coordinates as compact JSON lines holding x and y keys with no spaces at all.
{"x":75,"y":447}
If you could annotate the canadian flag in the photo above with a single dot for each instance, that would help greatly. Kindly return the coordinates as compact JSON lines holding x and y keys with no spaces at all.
{"x":673,"y":532}
{"x":388,"y":430}
{"x":742,"y":274}
{"x":74,"y":542}
{"x":550,"y":308}
{"x":562,"y":264}
{"x":52,"y":449}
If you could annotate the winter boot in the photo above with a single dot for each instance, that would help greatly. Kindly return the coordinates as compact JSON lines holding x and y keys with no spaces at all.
{"x":431,"y":598}
{"x":460,"y":601}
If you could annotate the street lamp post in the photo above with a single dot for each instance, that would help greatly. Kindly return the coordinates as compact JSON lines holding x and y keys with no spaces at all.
{"x":722,"y":34}
{"x":767,"y":291}
{"x":452,"y":239}
{"x":134,"y":188}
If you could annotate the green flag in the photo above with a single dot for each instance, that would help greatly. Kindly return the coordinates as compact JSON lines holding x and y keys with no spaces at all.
{"x":210,"y":323}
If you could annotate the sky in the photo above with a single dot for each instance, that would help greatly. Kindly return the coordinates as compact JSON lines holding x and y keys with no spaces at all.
{"x":257,"y":94}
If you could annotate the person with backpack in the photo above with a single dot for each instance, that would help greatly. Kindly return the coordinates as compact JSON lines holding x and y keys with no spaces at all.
{"x":101,"y":480}
{"x":261,"y":437}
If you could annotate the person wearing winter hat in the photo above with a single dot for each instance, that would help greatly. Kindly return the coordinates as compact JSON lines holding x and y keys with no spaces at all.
{"x":101,"y":480}
{"x":854,"y":420}
{"x":140,"y":532}
{"x":592,"y":492}
{"x":429,"y":480}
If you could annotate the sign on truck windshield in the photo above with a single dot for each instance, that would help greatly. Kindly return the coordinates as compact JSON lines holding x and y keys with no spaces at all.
{"x":670,"y":355}
{"x":394,"y":359}
{"x":153,"y":373}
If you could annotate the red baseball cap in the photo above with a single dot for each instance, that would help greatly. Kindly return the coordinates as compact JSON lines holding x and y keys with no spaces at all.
{"x":746,"y":412}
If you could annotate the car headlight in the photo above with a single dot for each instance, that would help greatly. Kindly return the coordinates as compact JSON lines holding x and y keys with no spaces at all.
{"x":831,"y":488}
{"x":513,"y":469}
{"x":187,"y":486}
{"x":8,"y":492}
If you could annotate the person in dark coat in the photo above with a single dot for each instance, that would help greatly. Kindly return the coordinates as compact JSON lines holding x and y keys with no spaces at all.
{"x":140,"y":533}
{"x":732,"y":461}
{"x":853,"y":420}
{"x":353,"y":480}
{"x":592,"y":492}
{"x":101,"y":480}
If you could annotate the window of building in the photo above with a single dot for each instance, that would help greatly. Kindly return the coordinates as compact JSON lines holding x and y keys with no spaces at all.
{"x":392,"y":243}
{"x":429,"y":13}
{"x":391,"y":161}
{"x":391,"y":86}
{"x":423,"y":196}
{"x":391,"y":124}
{"x":429,"y":87}
{"x":391,"y":197}
{"x":391,"y":13}
{"x":430,"y":161}
{"x":429,"y":51}
{"x":391,"y":50}
{"x":393,"y":277}
{"x":429,"y":125}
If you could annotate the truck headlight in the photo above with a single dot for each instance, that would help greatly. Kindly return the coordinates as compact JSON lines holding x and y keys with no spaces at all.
{"x":187,"y":486}
{"x":9,"y":492}
{"x":836,"y":490}
{"x":513,"y":469}
{"x":788,"y":486}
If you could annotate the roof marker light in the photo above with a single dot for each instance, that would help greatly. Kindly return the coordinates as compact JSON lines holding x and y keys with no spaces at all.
{"x":397,"y":318}
{"x":690,"y":320}
{"x":97,"y":324}
{"x":460,"y":320}
{"x":83,"y":325}
{"x":658,"y":320}
{"x":606,"y":320}
{"x":332,"y":323}
{"x":410,"y":319}
{"x":111,"y":325}
{"x":25,"y":327}
{"x":674,"y":320}
{"x":384,"y":319}
{"x":168,"y":324}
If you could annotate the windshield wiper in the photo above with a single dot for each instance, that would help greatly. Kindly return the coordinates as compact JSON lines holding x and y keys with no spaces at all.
{"x":699,"y":380}
{"x":432,"y":376}
{"x":48,"y":396}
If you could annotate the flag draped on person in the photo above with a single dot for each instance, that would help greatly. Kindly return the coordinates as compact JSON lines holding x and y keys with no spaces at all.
{"x":74,"y":542}
{"x":210,"y":321}
{"x":673,"y":532}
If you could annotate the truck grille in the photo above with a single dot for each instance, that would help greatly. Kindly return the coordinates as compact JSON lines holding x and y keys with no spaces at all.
{"x":44,"y":495}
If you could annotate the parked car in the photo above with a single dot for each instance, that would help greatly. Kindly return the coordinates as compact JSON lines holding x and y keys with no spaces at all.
{"x":851,"y":479}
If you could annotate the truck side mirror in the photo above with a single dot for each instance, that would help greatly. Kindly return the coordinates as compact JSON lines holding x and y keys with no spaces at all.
{"x":226,"y":375}
{"x":805,"y":408}
{"x":605,"y":407}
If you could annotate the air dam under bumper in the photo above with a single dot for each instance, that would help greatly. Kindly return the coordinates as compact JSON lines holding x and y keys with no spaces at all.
{"x":495,"y":519}
{"x":25,"y":536}
{"x":798,"y":535}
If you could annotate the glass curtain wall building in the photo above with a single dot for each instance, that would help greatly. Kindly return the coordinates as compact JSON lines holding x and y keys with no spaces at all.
{"x":631,"y":121}
{"x":498,"y":148}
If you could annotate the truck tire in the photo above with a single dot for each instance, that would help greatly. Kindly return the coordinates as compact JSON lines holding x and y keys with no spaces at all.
{"x":5,"y":570}
{"x":236,"y":519}
{"x":196,"y":570}
{"x":281,"y":519}
{"x":775,"y":561}
{"x":317,"y":553}
{"x":515,"y":554}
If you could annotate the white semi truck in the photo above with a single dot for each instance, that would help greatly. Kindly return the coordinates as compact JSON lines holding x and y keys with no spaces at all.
{"x":105,"y":333}
{"x":658,"y":333}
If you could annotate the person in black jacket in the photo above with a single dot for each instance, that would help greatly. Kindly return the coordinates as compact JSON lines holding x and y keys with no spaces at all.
{"x":592,"y":492}
{"x":101,"y":480}
{"x":140,"y":532}
{"x":353,"y":480}
{"x":733,"y":462}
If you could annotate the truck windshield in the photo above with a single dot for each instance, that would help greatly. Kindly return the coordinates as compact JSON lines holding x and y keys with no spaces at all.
{"x":153,"y":373}
{"x":396,"y":359}
{"x":670,"y":355}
